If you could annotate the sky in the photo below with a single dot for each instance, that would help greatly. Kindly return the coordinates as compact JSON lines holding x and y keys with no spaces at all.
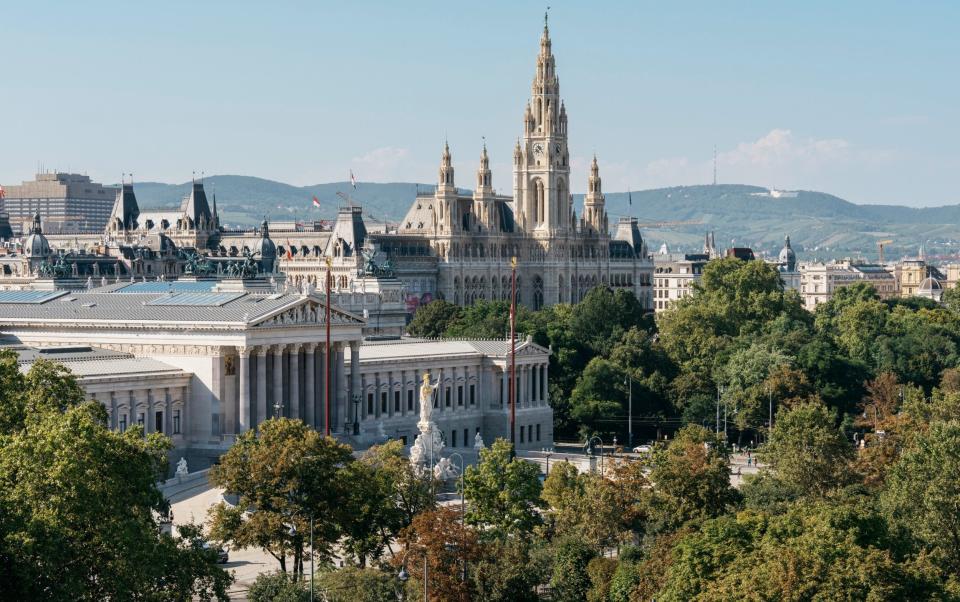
{"x":858,"y":99}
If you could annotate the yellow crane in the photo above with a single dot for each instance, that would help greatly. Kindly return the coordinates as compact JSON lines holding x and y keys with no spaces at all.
{"x":880,"y":245}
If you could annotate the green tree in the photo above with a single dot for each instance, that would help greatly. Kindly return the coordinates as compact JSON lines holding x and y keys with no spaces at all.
{"x":383,"y":496}
{"x":433,"y":319}
{"x":286,"y":472}
{"x":603,"y":316}
{"x":509,"y":570}
{"x":571,"y":581}
{"x":691,"y":479}
{"x":923,"y":488}
{"x":597,"y":401}
{"x":806,"y":450}
{"x":277,"y":587}
{"x":601,"y":571}
{"x":503,"y":492}
{"x":353,"y":584}
{"x":79,"y":506}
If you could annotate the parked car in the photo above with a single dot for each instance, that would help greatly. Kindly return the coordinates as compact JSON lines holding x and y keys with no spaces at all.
{"x":222,"y":556}
{"x":642,"y":449}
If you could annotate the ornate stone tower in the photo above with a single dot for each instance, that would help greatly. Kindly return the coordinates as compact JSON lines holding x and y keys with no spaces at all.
{"x":446,"y":195}
{"x":594,"y":213}
{"x":484,"y":206}
{"x":541,"y":182}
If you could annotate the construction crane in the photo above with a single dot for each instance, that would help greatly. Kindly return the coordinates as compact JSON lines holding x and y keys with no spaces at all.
{"x":880,"y":245}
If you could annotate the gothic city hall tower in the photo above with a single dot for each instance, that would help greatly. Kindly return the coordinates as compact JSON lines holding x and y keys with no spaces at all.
{"x":474,"y":235}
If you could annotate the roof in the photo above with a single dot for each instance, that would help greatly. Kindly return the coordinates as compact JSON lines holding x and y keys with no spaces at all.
{"x":408,"y":348}
{"x":100,"y":306}
{"x":93,"y":361}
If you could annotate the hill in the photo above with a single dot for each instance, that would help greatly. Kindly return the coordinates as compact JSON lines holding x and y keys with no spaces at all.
{"x":819,"y":224}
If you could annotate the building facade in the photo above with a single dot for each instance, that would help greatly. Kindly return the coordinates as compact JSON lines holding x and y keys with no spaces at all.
{"x":66,"y":202}
{"x":673,"y":277}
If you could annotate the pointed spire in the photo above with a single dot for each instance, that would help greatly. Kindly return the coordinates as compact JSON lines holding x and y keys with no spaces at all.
{"x":446,"y":167}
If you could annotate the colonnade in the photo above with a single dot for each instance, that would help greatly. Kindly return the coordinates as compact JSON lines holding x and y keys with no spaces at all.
{"x":531,"y":381}
{"x":290,"y":380}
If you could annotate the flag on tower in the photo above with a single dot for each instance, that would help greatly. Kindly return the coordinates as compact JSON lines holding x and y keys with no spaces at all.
{"x":630,"y":197}
{"x":353,"y":180}
{"x":289,"y":252}
{"x":316,"y":202}
{"x":3,"y":193}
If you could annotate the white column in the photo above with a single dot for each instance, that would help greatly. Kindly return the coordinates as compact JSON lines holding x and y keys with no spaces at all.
{"x":278,"y":378}
{"x":244,"y":396}
{"x":262,"y":410}
{"x":309,"y":390}
{"x":295,"y":380}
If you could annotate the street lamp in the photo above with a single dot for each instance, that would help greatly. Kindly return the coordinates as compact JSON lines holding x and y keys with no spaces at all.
{"x":276,"y":409}
{"x":629,"y":381}
{"x":403,"y":575}
{"x":463,"y":515}
{"x":590,"y":442}
{"x":547,"y":453}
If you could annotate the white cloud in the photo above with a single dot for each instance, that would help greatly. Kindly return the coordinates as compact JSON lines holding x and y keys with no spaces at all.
{"x":780,"y":148}
{"x":383,"y":164}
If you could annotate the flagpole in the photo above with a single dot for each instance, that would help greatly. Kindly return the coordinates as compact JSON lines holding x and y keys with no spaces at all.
{"x":326,"y":377}
{"x":513,"y":355}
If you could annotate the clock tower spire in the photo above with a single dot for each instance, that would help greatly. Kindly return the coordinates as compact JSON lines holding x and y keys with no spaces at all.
{"x":542,"y":201}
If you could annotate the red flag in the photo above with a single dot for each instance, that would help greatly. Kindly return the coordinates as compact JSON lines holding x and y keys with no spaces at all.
{"x":3,"y":193}
{"x":316,"y":202}
{"x":289,"y":252}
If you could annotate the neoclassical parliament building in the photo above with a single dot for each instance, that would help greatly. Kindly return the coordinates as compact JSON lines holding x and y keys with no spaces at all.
{"x":185,"y":327}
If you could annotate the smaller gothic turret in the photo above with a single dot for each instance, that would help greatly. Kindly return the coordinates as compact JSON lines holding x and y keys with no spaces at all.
{"x":483,"y":202}
{"x":446,"y":194}
{"x":594,"y":204}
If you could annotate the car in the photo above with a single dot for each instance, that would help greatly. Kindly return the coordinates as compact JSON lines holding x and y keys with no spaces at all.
{"x":642,"y":449}
{"x":222,"y":556}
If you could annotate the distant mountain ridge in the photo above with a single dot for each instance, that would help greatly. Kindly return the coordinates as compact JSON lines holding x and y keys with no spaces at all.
{"x":819,"y":224}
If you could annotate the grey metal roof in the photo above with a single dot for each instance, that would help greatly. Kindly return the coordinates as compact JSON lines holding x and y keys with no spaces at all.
{"x":174,"y":286}
{"x":118,"y":307}
{"x":29,"y":296}
{"x":94,"y":361}
{"x":407,"y":348}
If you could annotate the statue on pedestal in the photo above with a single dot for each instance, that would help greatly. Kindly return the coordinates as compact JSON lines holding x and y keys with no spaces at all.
{"x":478,"y":442}
{"x":182,"y":467}
{"x":429,"y":443}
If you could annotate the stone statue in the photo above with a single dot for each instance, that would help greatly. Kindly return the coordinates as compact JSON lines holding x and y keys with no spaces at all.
{"x":182,"y":467}
{"x":478,"y":442}
{"x":426,"y":398}
{"x":417,"y":453}
{"x":444,"y":470}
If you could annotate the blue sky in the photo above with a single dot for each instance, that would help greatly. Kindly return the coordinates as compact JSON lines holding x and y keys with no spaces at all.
{"x":860,"y":99}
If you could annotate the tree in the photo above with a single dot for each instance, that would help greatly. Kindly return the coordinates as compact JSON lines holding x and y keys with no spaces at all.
{"x":806,"y":451}
{"x":601,"y":571}
{"x":449,"y":547}
{"x":691,"y":479}
{"x":277,"y":587}
{"x":922,"y":490}
{"x":433,"y":319}
{"x":597,"y":401}
{"x":285,"y":473}
{"x":509,"y":570}
{"x":503,"y":492}
{"x":47,"y":386}
{"x":383,"y":496}
{"x":79,"y":506}
{"x":571,"y":581}
{"x":603,"y":316}
{"x":353,"y":584}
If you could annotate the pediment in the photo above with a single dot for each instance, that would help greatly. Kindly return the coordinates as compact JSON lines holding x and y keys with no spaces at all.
{"x":308,"y":311}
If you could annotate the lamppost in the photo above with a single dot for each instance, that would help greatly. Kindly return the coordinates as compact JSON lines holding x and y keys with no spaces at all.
{"x":629,"y":382}
{"x":548,"y":453}
{"x":276,"y":409}
{"x":403,"y":575}
{"x":463,"y":516}
{"x":590,"y":442}
{"x":293,"y":533}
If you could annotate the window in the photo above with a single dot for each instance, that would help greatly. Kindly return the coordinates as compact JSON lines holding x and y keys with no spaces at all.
{"x":140,"y":418}
{"x":410,"y":400}
{"x":176,"y":422}
{"x":453,"y":440}
{"x":370,"y":404}
{"x":460,"y":395}
{"x":466,"y":437}
{"x":396,"y":401}
{"x":538,"y":432}
{"x":158,"y":422}
{"x":383,"y":402}
{"x":521,"y":434}
{"x":473,"y":394}
{"x":123,"y":422}
{"x":447,"y":400}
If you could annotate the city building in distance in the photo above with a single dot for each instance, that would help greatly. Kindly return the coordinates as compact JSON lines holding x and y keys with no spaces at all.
{"x":66,"y":202}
